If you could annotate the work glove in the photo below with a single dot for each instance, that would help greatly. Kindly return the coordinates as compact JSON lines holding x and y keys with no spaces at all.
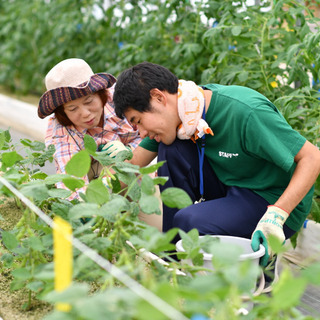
{"x":113,"y":148}
{"x":271,"y":223}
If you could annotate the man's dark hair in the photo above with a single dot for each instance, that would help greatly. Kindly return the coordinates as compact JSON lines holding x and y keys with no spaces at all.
{"x":133,"y":86}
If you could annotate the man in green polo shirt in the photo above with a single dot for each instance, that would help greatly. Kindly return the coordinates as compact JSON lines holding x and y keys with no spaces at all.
{"x":249,"y":173}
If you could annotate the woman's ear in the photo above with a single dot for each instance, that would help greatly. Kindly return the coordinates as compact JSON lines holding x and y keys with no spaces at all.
{"x":158,"y":95}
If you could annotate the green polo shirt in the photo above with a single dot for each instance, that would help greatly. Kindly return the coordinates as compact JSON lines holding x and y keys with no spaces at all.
{"x":253,"y":146}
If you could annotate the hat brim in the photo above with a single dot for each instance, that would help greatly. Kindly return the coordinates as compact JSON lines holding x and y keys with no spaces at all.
{"x":52,"y":99}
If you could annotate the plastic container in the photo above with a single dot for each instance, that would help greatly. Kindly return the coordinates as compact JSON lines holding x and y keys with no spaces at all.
{"x":248,"y":254}
{"x":245,"y":244}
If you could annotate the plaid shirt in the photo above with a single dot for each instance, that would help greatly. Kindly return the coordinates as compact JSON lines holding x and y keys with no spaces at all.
{"x":68,"y":140}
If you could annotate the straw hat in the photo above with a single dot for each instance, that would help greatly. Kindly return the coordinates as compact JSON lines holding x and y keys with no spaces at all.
{"x":71,"y":79}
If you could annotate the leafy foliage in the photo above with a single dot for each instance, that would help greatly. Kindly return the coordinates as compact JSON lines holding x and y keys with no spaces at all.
{"x":272,"y":47}
{"x":105,"y":218}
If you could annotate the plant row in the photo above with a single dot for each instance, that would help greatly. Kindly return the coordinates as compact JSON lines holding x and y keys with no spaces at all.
{"x":272,"y":47}
{"x":105,"y":218}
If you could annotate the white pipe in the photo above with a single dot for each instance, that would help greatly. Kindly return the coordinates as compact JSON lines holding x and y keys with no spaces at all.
{"x":133,"y":285}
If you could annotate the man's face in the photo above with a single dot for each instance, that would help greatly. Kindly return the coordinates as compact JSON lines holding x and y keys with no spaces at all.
{"x":160,"y":123}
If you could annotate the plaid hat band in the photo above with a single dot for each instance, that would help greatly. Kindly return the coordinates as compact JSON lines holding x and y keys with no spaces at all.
{"x":68,"y":80}
{"x":54,"y":98}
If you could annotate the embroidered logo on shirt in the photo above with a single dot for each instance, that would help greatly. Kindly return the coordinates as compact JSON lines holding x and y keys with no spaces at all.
{"x":227,"y":154}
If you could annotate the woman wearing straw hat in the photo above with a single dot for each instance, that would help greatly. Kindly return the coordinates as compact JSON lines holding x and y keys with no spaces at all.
{"x":81,"y":102}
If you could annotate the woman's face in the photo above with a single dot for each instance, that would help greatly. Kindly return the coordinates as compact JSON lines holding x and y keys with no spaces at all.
{"x":85,"y":112}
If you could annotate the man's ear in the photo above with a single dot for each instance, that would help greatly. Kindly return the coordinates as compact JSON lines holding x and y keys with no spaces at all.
{"x":158,"y":95}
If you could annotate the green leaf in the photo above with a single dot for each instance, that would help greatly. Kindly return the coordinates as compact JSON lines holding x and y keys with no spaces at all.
{"x":22,"y":274}
{"x":123,"y":155}
{"x":275,"y":244}
{"x":176,"y":198}
{"x":35,"y":286}
{"x":135,"y":192}
{"x":89,"y":144}
{"x":113,"y":207}
{"x":7,"y":258}
{"x":10,"y":158}
{"x":127,"y":167}
{"x":97,"y":192}
{"x":143,"y":308}
{"x":45,"y":272}
{"x":36,"y":190}
{"x":243,"y":76}
{"x":69,"y":295}
{"x":73,"y":183}
{"x":160,"y":180}
{"x":79,"y":164}
{"x":300,"y":112}
{"x":188,"y":242}
{"x":34,"y":145}
{"x":83,"y":210}
{"x":149,"y":204}
{"x":9,"y":240}
{"x":59,"y":193}
{"x":61,"y":209}
{"x":194,"y":235}
{"x":164,"y":292}
{"x":147,"y":185}
{"x":2,"y":139}
{"x":154,"y":240}
{"x":35,"y":243}
{"x":55,"y":178}
{"x":196,"y":257}
{"x":222,"y":55}
{"x":312,"y":273}
{"x":103,"y":158}
{"x":116,"y":185}
{"x":224,"y":254}
{"x":288,"y":291}
{"x":39,"y":176}
{"x":101,"y":244}
{"x":236,"y":30}
{"x":152,"y":168}
{"x":17,"y":284}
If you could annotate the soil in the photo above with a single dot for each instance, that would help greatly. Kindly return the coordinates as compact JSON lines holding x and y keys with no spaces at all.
{"x":11,"y":303}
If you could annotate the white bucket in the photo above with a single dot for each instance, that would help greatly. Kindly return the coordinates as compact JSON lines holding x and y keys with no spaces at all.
{"x":247,"y":254}
{"x":245,"y":244}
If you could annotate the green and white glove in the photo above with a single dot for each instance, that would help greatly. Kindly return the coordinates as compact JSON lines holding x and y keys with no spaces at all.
{"x":114,"y":147}
{"x":271,"y":223}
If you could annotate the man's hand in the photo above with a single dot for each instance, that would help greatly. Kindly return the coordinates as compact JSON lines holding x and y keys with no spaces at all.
{"x":271,"y":223}
{"x":113,"y":147}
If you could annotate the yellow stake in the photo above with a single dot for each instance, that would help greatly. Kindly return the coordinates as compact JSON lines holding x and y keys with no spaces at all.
{"x":62,"y":258}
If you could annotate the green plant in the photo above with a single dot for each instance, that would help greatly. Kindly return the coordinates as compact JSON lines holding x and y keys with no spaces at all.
{"x":123,"y":240}
{"x":204,"y":41}
{"x":272,"y":47}
{"x":115,"y":217}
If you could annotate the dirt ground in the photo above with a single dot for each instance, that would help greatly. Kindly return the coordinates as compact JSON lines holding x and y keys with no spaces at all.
{"x":11,"y":303}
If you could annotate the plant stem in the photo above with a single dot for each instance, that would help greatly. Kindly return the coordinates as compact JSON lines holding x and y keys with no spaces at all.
{"x":197,"y":25}
{"x":29,"y":300}
{"x":262,"y":55}
{"x":132,"y":185}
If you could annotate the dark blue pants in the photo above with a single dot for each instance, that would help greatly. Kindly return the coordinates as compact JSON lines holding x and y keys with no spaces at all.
{"x":227,"y":210}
